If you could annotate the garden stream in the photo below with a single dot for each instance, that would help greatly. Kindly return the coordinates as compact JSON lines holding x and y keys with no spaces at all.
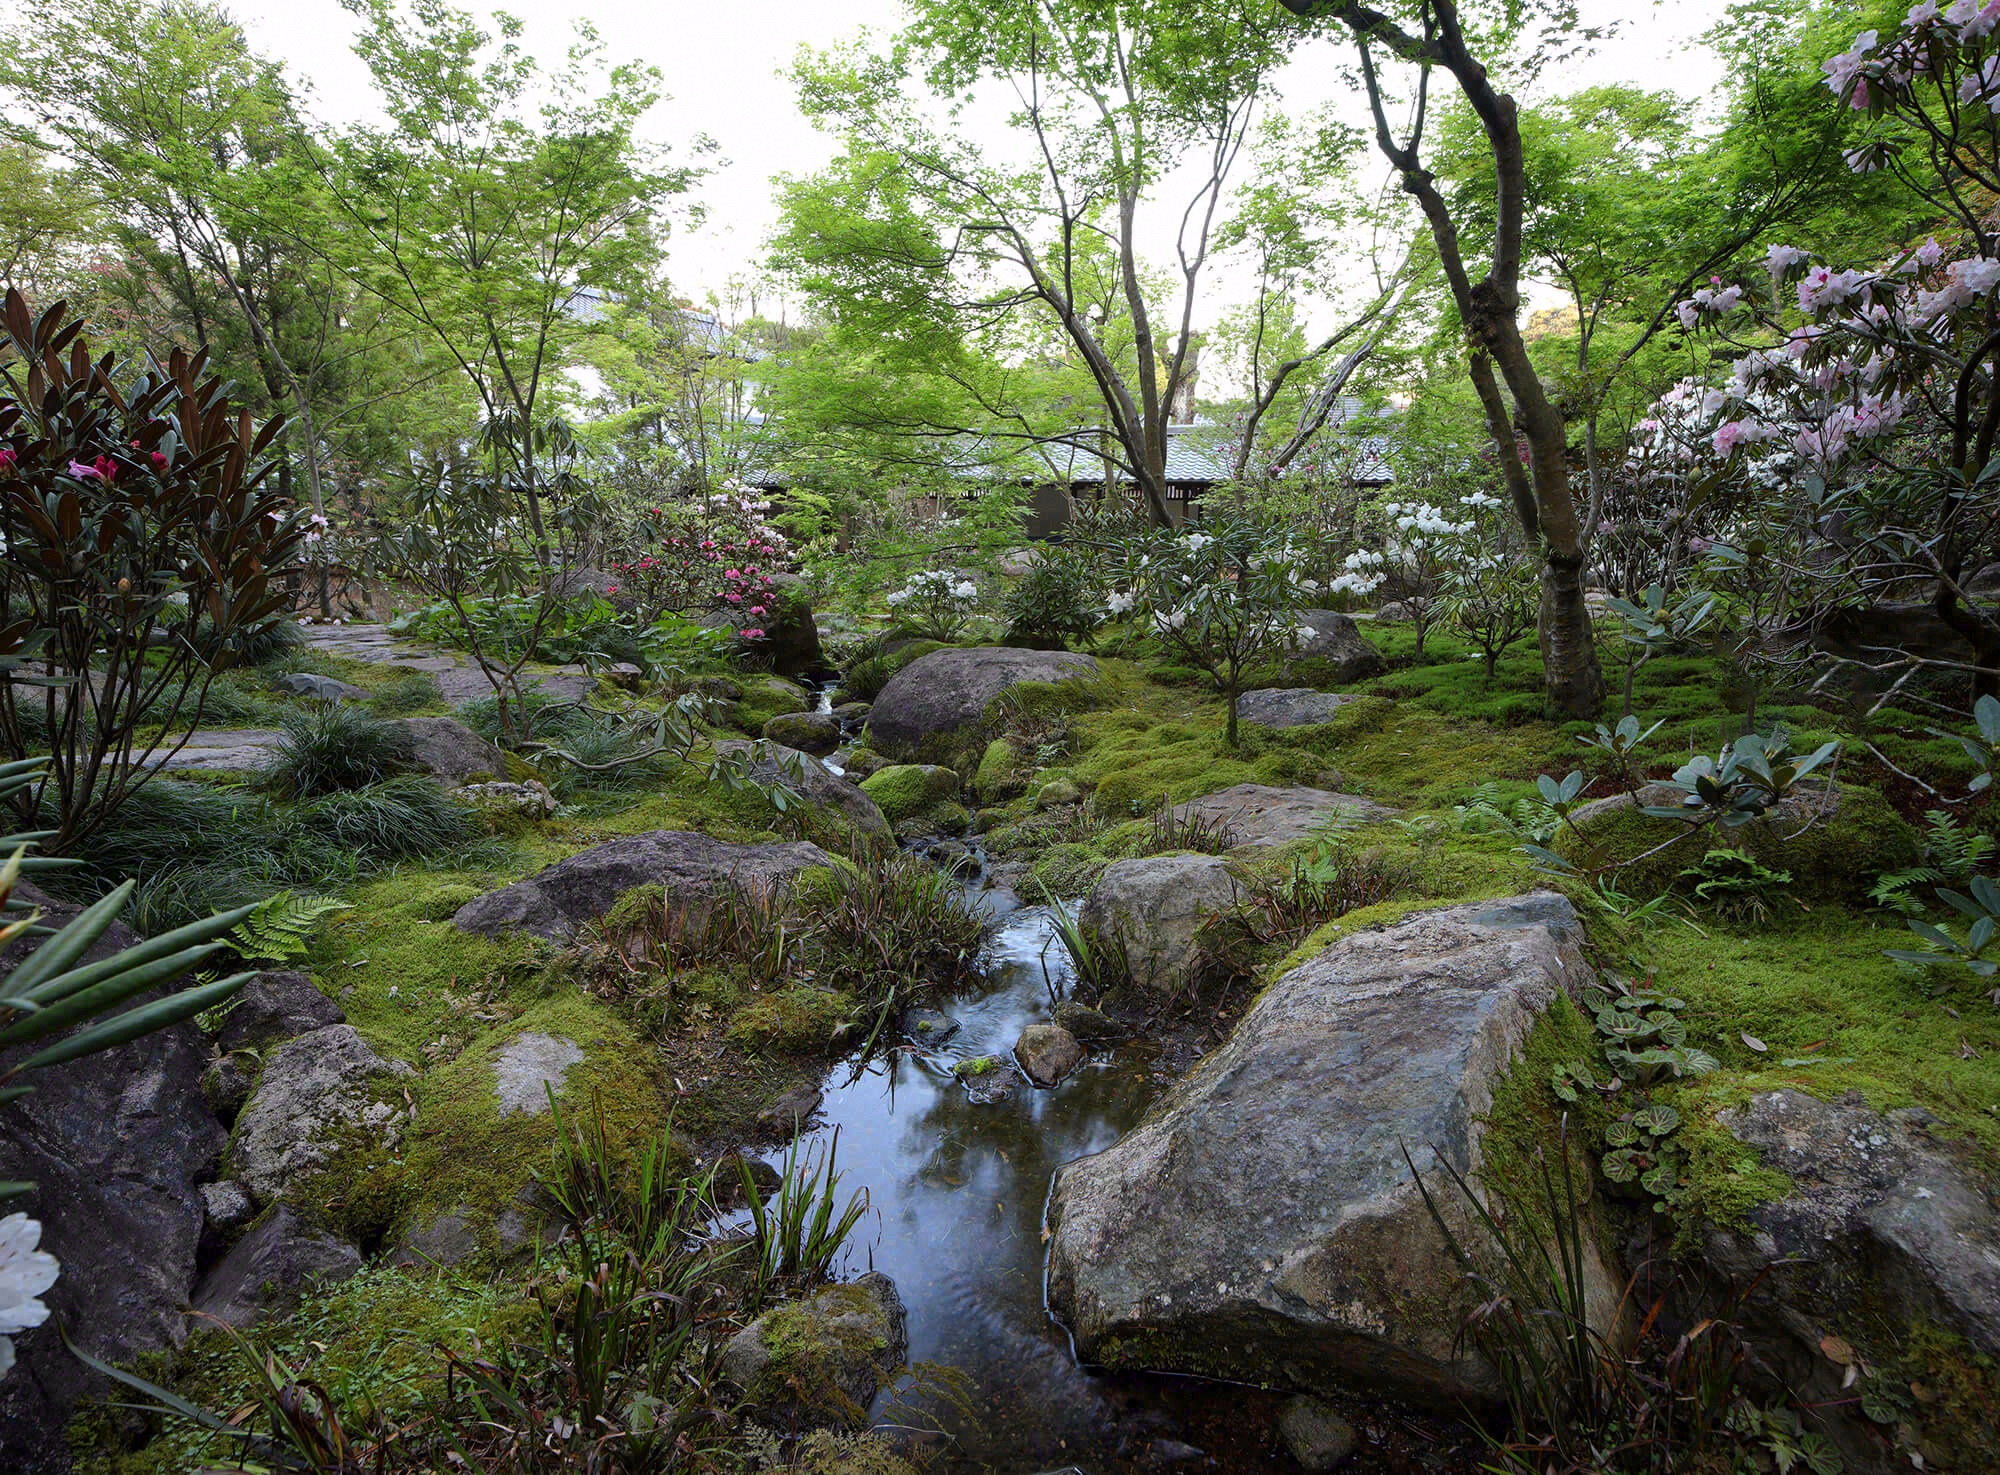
{"x":958,"y":1186}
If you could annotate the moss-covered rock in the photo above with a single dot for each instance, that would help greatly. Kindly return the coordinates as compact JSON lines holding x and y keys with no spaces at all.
{"x":765,"y":697}
{"x":1833,"y":842}
{"x":906,"y":790}
{"x":1003,"y":772}
{"x":818,"y":1363}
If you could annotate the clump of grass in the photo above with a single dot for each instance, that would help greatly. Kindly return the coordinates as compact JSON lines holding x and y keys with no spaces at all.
{"x":413,"y":691}
{"x":327,"y":747}
{"x":803,"y":1228}
{"x":1280,"y":911}
{"x":400,"y":817}
{"x":1170,"y":830}
{"x":882,"y":926}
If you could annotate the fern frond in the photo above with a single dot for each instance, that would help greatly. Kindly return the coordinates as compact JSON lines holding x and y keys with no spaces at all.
{"x":280,"y":928}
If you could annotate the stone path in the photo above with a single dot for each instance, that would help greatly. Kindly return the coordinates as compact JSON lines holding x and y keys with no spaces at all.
{"x":457,"y":676}
{"x":243,"y":750}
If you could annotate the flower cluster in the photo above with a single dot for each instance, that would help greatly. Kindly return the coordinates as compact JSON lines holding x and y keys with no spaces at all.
{"x":935,"y":603}
{"x":26,"y":1271}
{"x":713,"y":554}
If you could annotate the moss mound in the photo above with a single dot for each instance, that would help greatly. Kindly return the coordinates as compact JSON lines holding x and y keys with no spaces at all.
{"x":1833,"y":851}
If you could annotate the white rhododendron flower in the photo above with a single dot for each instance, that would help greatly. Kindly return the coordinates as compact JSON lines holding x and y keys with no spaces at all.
{"x":25,"y":1273}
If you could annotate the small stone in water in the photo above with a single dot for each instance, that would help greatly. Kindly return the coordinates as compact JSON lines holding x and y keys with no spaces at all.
{"x":1318,"y":1437}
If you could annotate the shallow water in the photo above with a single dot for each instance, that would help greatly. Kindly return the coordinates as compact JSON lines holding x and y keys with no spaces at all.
{"x":958,"y":1189}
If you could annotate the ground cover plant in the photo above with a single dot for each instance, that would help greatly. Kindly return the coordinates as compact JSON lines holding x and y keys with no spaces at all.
{"x":1609,"y":513}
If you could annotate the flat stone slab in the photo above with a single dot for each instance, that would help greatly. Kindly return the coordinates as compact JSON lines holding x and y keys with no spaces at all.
{"x":1290,"y":706}
{"x":528,"y":1068}
{"x":458,"y":677}
{"x":218,"y":750}
{"x":692,"y":869}
{"x":1265,"y":816}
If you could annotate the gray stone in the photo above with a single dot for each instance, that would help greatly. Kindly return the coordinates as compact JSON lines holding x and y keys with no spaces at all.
{"x":227,"y":1084}
{"x":531,"y":798}
{"x":1395,"y":612}
{"x":226,"y":1206}
{"x":319,"y":688}
{"x":1047,"y":1053}
{"x":1088,"y":1024}
{"x":1335,"y":639}
{"x":116,"y":1144}
{"x":818,"y":1363}
{"x":314,"y":1090}
{"x":532,"y":1220}
{"x":1290,"y":706}
{"x":1317,"y":1437}
{"x":1882,"y":1216}
{"x":1153,"y":908}
{"x":787,"y":1116}
{"x":693,"y":868}
{"x":815,"y":782}
{"x":445,"y":1241}
{"x":853,"y":713}
{"x":451,"y":752}
{"x":817,"y":733}
{"x":988,"y":1079}
{"x":528,"y":1067}
{"x":272,"y":1268}
{"x":940,"y":695}
{"x":275,"y":1007}
{"x":927,"y":1026}
{"x":1261,"y":1225}
{"x":624,"y":674}
{"x":1263,"y":816}
{"x":861,"y":763}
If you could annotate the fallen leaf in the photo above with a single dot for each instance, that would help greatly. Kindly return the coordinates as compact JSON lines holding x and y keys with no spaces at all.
{"x":1836,"y":1350}
{"x":1756,"y":1044}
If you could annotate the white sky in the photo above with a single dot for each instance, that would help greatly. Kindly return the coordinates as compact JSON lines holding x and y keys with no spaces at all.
{"x":723,"y":64}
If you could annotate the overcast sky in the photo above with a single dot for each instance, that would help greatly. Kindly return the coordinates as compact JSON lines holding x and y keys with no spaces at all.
{"x":724,"y":60}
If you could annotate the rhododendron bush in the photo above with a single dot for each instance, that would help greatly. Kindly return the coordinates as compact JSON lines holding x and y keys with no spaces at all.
{"x":715,"y":553}
{"x":1846,"y":458}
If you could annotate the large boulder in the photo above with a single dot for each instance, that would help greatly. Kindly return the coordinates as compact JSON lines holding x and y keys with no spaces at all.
{"x":272,"y":1268}
{"x":1815,"y":834}
{"x":116,"y":1145}
{"x":275,"y":1007}
{"x":1152,"y":909}
{"x":1337,"y":649}
{"x":934,"y":699}
{"x":1261,"y":816}
{"x":451,"y":752}
{"x":1290,"y":706}
{"x":1262,"y":1225}
{"x":1886,"y":1227}
{"x":315,"y":1095}
{"x":690,"y":867}
{"x":818,"y":1363}
{"x":791,"y":634}
{"x":815,"y":782}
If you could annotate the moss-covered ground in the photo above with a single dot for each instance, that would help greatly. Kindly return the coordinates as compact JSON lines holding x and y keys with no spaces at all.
{"x":702,"y":1049}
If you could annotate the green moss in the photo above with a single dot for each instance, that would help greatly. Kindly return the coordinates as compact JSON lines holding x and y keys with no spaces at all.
{"x":765,"y":697}
{"x":1817,"y":989}
{"x":1069,"y":869}
{"x":1527,"y":1120}
{"x":908,"y":789}
{"x":1003,"y":772}
{"x":791,"y":1021}
{"x":1835,"y":859}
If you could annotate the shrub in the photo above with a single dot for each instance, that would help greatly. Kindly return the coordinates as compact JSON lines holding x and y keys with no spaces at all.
{"x":121,"y":512}
{"x":330,"y":746}
{"x":887,"y":927}
{"x":1054,"y":603}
